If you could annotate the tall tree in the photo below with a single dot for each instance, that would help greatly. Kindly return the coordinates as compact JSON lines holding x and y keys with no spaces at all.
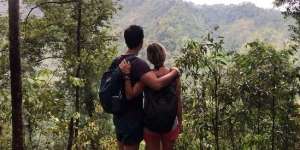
{"x":76,"y":35}
{"x":73,"y":132}
{"x":16,"y":83}
{"x":204,"y":64}
{"x":238,"y":100}
{"x":292,"y":10}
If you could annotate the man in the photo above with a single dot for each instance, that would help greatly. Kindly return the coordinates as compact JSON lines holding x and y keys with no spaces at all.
{"x":129,"y":125}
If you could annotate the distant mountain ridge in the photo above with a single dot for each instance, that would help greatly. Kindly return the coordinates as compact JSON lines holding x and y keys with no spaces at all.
{"x":172,"y":22}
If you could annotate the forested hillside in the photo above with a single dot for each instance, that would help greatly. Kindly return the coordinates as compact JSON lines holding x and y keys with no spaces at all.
{"x":172,"y":22}
{"x":51,"y":62}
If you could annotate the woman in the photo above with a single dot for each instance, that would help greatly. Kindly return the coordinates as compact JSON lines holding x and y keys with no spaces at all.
{"x":158,"y":132}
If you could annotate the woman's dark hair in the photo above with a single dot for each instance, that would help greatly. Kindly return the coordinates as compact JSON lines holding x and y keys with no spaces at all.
{"x":156,"y":54}
{"x":134,"y":36}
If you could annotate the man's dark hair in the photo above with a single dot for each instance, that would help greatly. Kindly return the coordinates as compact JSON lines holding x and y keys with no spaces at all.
{"x":134,"y":36}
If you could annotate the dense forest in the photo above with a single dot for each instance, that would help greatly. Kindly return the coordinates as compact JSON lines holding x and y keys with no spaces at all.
{"x":239,"y":24}
{"x":163,"y":22}
{"x":240,"y":72}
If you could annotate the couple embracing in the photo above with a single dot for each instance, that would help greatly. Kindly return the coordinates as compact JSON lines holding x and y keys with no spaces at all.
{"x":148,"y":104}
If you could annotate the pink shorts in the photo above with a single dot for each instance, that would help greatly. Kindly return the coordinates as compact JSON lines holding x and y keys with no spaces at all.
{"x":170,"y":136}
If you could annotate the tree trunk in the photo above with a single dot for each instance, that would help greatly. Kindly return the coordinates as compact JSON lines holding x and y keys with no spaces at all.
{"x":273,"y":122}
{"x":258,"y":117}
{"x":273,"y":112}
{"x":231,"y":130}
{"x":78,"y":47}
{"x":216,"y":124}
{"x":73,"y":128}
{"x":71,"y":134}
{"x":15,"y":71}
{"x":88,"y":99}
{"x":258,"y":120}
{"x":30,"y":133}
{"x":286,"y":128}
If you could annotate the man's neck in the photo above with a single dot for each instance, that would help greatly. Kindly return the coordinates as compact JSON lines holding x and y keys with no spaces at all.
{"x":132,"y":51}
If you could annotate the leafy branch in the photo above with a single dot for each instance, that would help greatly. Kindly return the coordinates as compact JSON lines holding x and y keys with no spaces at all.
{"x":45,"y":3}
{"x":50,"y":57}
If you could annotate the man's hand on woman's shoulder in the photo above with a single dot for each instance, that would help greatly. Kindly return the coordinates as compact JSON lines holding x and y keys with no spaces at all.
{"x":176,"y":69}
{"x":125,"y":67}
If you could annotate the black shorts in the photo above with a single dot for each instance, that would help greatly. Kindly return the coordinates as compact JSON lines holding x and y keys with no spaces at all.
{"x":129,"y":131}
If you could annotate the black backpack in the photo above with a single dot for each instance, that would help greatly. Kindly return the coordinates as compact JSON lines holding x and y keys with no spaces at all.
{"x":160,"y":108}
{"x":111,"y":91}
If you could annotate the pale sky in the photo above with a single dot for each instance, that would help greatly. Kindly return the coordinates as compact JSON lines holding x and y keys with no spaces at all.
{"x":259,"y":3}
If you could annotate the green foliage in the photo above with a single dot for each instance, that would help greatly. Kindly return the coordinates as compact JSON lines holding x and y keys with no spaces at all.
{"x":238,"y":101}
{"x":55,"y":33}
{"x":49,"y":63}
{"x":5,"y":106}
{"x":292,"y":10}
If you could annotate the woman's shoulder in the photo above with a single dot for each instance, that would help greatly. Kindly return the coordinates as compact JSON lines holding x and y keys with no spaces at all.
{"x":161,"y":71}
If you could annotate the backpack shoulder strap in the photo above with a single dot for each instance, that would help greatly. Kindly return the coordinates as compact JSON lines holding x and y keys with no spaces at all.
{"x":118,"y":60}
{"x":115,"y":63}
{"x":132,"y":58}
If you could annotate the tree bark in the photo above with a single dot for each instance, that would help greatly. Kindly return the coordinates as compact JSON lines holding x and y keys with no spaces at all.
{"x":78,"y":47}
{"x":73,"y":128}
{"x":258,"y":116}
{"x":15,"y":71}
{"x":273,"y":122}
{"x":273,"y":111}
{"x":216,"y":124}
{"x":231,"y":130}
{"x":71,"y":134}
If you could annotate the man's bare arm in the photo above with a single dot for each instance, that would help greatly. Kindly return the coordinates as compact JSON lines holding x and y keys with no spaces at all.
{"x":151,"y":80}
{"x":133,"y":91}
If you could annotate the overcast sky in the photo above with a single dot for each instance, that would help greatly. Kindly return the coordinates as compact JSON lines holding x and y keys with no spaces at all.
{"x":259,"y":3}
